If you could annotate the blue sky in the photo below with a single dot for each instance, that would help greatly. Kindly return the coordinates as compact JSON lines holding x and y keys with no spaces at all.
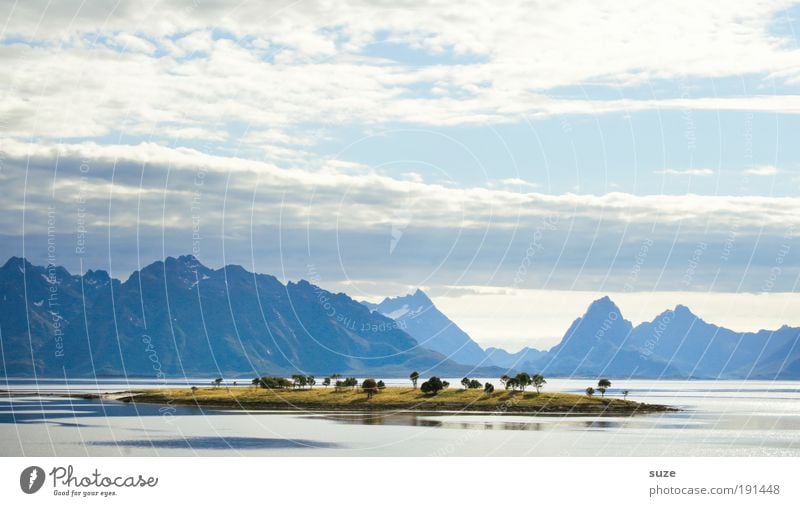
{"x":430,"y":145}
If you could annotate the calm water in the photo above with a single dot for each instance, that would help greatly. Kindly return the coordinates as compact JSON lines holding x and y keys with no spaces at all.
{"x":737,"y":418}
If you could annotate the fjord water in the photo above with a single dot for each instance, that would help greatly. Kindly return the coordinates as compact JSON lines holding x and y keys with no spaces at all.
{"x":718,"y":418}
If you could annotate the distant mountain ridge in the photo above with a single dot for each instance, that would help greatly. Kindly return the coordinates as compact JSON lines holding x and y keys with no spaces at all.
{"x":178,"y":317}
{"x":675,"y":344}
{"x":525,"y":359}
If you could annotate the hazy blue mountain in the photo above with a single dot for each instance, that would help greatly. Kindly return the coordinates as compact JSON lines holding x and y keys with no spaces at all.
{"x":675,"y":344}
{"x":178,"y":317}
{"x":698,"y":348}
{"x":525,"y":359}
{"x":602,"y":327}
{"x":417,"y":315}
{"x":782,"y":363}
{"x":595,"y":344}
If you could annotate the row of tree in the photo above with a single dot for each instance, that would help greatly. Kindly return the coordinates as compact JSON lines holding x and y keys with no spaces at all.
{"x":301,"y":381}
{"x":298,"y":381}
{"x":470,"y":383}
{"x":523,"y":380}
{"x":520,"y":381}
{"x":272,"y":382}
{"x":602,"y":386}
{"x":432,"y":386}
{"x":435,"y":385}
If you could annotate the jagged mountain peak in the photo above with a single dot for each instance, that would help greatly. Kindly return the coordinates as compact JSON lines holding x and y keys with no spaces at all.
{"x":187,"y":262}
{"x":680,"y":313}
{"x":684,"y":312}
{"x":603,"y":306}
{"x":419,"y":316}
{"x":17,"y":262}
{"x":421,"y":296}
{"x":418,"y":298}
{"x":231,"y":270}
{"x":96,"y":276}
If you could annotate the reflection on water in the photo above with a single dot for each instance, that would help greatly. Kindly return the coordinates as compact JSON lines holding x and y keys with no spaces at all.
{"x":719,"y":418}
{"x":47,"y":409}
{"x":217,"y":443}
{"x":472,"y":422}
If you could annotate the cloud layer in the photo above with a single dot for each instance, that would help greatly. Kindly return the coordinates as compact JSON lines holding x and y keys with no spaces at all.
{"x":365,"y":227}
{"x":204,"y":71}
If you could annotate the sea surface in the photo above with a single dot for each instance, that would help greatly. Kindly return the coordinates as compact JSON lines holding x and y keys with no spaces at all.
{"x":718,"y":418}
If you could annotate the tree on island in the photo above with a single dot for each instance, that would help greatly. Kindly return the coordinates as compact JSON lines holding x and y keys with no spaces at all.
{"x":445,"y":385}
{"x":590,"y":391}
{"x":433,"y":386}
{"x":299,"y":380}
{"x":538,"y":381}
{"x":381,"y":385}
{"x":414,"y":376}
{"x":274,"y":382}
{"x":504,"y":380}
{"x":465,"y":383}
{"x":370,"y":386}
{"x":347,"y":383}
{"x":311,"y":381}
{"x":625,"y":394}
{"x":256,"y":382}
{"x":326,"y":382}
{"x":512,"y":383}
{"x":488,"y":388}
{"x":475,"y":384}
{"x":217,"y":382}
{"x":602,"y":386}
{"x":523,"y":380}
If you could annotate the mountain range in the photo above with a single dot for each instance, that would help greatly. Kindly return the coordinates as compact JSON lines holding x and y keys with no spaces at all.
{"x":178,"y":317}
{"x":675,"y":344}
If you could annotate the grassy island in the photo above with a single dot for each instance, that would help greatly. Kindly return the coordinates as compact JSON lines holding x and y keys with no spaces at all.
{"x":391,"y":399}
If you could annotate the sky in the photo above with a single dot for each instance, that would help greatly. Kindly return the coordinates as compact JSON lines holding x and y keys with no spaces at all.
{"x":515,"y":161}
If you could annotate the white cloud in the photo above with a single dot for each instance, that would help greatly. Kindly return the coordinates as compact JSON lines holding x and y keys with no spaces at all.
{"x":777,"y":104}
{"x":365,"y":198}
{"x":414,"y":177}
{"x":199,"y":41}
{"x":130,"y":42}
{"x":762,"y":170}
{"x":287,"y":65}
{"x":513,"y":183}
{"x":685,"y":172}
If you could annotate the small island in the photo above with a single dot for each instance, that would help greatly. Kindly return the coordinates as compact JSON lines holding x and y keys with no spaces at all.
{"x":433,"y":395}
